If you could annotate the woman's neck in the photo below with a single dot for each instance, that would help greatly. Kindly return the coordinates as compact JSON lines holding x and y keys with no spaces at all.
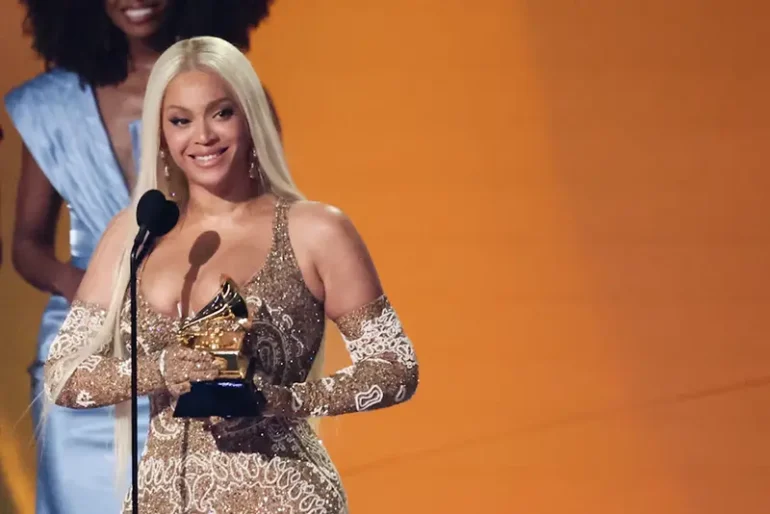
{"x":204,"y":205}
{"x":142,"y":56}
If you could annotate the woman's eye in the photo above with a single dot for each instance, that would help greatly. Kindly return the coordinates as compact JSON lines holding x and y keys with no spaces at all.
{"x":179,"y":121}
{"x":225,"y":113}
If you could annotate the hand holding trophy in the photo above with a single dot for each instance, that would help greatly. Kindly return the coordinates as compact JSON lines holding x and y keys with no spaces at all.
{"x":220,"y":329}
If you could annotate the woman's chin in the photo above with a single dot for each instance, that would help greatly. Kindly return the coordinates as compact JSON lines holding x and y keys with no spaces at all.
{"x":220,"y":183}
{"x":207,"y":176}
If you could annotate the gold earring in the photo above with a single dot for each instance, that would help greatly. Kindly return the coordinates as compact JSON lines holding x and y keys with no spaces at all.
{"x":162,"y":155}
{"x":253,"y":172}
{"x":166,"y":172}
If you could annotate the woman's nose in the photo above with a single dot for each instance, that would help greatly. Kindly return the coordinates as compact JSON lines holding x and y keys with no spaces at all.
{"x":205,"y":134}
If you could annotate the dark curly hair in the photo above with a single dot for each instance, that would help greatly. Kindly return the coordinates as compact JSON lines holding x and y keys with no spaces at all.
{"x":77,"y":35}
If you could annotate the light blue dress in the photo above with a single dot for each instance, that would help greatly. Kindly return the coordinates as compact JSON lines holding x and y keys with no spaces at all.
{"x":59,"y":121}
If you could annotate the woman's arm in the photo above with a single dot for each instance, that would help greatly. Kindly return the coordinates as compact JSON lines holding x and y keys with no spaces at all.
{"x":384,"y":370}
{"x":78,"y":374}
{"x":37,"y":214}
{"x":98,"y":380}
{"x":1,"y":224}
{"x":101,"y":380}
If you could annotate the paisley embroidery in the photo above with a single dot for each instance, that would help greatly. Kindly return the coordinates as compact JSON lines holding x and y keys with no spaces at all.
{"x":369,"y":398}
{"x":264,"y":465}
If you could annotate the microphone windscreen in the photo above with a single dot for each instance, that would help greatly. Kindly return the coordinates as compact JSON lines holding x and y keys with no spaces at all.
{"x":150,"y":207}
{"x":156,"y":214}
{"x":167,"y":221}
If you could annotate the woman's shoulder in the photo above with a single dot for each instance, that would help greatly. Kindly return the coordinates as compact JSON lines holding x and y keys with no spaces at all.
{"x":117,"y":234}
{"x":324,"y":230}
{"x":97,"y":284}
{"x":319,"y":219}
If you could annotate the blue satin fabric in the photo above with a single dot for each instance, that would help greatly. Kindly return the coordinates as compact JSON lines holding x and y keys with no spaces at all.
{"x":59,"y":121}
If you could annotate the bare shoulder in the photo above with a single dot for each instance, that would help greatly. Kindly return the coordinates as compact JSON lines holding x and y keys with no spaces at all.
{"x":96,"y":286}
{"x":319,"y":225}
{"x":117,"y":232}
{"x":122,"y":221}
{"x":327,"y":236}
{"x":317,"y":216}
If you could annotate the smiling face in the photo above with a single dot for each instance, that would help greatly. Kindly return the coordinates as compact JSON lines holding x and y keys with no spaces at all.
{"x":205,"y":131}
{"x":138,"y":19}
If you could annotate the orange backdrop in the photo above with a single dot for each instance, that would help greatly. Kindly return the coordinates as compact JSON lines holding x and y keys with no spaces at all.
{"x":565,"y":202}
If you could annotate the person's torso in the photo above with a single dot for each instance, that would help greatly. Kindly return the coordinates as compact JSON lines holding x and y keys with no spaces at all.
{"x":60,"y":122}
{"x":287,"y":327}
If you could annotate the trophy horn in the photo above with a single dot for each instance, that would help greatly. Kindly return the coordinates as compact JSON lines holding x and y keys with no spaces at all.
{"x":227,"y":309}
{"x":221,"y":328}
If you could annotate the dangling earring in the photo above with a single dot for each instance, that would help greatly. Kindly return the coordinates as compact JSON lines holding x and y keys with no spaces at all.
{"x":256,"y":172}
{"x":253,"y":172}
{"x":166,"y":172}
{"x":162,"y":155}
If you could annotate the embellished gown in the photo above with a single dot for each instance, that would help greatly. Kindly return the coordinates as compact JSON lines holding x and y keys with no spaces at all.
{"x":273,"y":464}
{"x":58,"y":119}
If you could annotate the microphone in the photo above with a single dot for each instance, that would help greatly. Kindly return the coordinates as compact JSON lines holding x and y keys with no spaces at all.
{"x":155,"y":216}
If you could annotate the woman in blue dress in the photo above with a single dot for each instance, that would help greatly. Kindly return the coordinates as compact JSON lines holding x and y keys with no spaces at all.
{"x":79,"y":123}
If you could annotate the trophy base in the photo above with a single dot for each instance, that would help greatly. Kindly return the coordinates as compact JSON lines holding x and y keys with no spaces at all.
{"x":226,"y":398}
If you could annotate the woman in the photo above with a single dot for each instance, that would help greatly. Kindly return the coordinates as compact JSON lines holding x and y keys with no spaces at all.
{"x":209,"y":141}
{"x":79,"y":125}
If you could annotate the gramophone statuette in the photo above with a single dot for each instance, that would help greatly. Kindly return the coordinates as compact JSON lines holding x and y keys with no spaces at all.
{"x":221,"y":328}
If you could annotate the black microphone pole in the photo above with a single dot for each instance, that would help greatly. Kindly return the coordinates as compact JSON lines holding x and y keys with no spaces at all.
{"x":155,"y":216}
{"x":134,"y":386}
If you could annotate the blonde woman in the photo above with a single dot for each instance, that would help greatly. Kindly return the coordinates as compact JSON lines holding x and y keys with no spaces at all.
{"x":209,"y":141}
{"x":79,"y":126}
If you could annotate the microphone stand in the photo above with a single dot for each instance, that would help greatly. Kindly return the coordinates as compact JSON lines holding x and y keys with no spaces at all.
{"x":155,"y":216}
{"x":134,"y":387}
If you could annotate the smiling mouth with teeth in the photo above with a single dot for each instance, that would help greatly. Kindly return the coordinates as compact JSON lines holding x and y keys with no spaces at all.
{"x":139,"y":14}
{"x":210,"y":156}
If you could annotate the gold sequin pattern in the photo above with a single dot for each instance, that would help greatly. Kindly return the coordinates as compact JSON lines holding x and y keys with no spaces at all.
{"x":351,"y":324}
{"x":384,"y":370}
{"x":99,"y":379}
{"x":275,"y":463}
{"x":267,"y":465}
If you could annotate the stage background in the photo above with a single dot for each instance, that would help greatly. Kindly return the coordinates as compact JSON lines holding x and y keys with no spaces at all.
{"x":566,"y":202}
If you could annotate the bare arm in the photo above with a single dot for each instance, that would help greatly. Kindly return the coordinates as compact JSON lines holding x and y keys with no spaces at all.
{"x":37,"y":214}
{"x":384,"y":370}
{"x":1,"y":195}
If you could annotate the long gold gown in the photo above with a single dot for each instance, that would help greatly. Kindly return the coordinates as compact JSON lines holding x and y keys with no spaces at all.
{"x":264,"y":465}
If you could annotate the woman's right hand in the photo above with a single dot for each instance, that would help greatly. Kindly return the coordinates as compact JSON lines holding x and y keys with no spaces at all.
{"x":180,"y":366}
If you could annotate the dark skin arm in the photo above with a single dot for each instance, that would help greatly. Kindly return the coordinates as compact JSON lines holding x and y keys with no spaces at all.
{"x":37,"y":214}
{"x":1,"y":236}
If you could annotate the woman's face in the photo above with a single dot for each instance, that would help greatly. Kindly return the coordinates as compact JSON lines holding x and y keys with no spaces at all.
{"x":205,"y":131}
{"x":138,"y":19}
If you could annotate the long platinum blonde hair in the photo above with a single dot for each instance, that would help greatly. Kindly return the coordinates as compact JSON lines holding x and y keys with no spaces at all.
{"x":220,"y":57}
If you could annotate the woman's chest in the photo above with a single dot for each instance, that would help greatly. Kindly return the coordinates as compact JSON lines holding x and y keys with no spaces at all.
{"x":283,"y":326}
{"x":119,"y":108}
{"x":183,"y":283}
